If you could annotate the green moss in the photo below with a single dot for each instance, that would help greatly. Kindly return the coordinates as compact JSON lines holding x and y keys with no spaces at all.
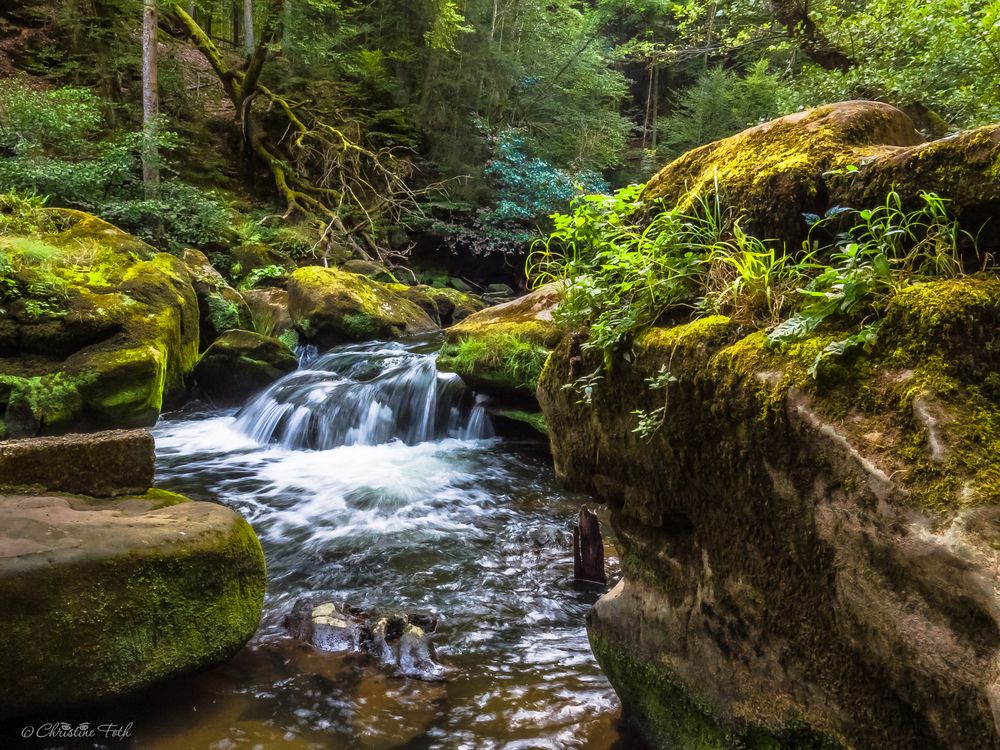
{"x":774,"y":172}
{"x":501,"y":361}
{"x":533,"y":418}
{"x":332,"y":306}
{"x":660,"y":707}
{"x":222,"y":313}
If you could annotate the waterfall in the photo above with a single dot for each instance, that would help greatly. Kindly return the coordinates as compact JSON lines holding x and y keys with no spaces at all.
{"x":364,"y":394}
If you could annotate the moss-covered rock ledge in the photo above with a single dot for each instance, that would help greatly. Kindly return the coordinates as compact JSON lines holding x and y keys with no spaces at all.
{"x":102,"y":598}
{"x":99,"y":330}
{"x":501,"y":350}
{"x":809,"y":562}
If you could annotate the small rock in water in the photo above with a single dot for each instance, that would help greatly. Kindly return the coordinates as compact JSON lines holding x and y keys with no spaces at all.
{"x":398,"y":639}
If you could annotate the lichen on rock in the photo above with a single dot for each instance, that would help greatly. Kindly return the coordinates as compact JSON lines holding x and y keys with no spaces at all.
{"x":330,"y":307}
{"x":109,"y":344}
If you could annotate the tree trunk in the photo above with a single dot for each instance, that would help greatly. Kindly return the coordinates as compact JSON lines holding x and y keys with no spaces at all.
{"x":150,"y":100}
{"x":794,"y":16}
{"x":248,"y":39}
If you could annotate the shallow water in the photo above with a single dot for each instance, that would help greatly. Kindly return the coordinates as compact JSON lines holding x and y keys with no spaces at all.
{"x":437,"y":520}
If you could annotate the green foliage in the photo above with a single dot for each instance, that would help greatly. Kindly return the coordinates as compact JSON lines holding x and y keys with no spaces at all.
{"x":721,"y":103}
{"x":258,"y":276}
{"x":909,"y":51}
{"x":57,"y":150}
{"x":874,"y":258}
{"x":624,"y":275}
{"x":626,"y":271}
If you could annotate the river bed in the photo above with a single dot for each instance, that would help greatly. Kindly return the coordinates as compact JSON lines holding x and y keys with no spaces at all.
{"x":374,"y":481}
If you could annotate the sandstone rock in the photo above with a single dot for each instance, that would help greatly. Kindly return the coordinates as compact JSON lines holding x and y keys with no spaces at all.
{"x":101,"y":599}
{"x":331,"y":307}
{"x":269,"y":311}
{"x":501,"y":350}
{"x":803,"y":559}
{"x":220,"y":307}
{"x":775,"y":172}
{"x":100,"y":464}
{"x":240,"y":364}
{"x":101,"y":335}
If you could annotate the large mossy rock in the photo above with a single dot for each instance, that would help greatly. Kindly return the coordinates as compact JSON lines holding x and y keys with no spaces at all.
{"x":501,"y":350}
{"x":331,"y":307}
{"x":240,"y":364}
{"x":220,"y":307}
{"x":100,"y":330}
{"x":806,"y":560}
{"x":101,"y":599}
{"x":847,"y":154}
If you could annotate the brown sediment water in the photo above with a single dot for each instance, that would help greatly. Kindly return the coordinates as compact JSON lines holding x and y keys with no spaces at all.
{"x":373,"y":480}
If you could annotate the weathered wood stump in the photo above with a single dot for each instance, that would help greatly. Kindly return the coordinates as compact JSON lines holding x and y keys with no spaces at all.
{"x":588,"y":548}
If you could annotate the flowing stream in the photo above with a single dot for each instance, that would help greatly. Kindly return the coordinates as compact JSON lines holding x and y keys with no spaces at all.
{"x":374,"y":480}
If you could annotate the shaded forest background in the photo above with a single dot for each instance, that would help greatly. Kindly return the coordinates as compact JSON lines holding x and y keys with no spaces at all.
{"x":332,"y":128}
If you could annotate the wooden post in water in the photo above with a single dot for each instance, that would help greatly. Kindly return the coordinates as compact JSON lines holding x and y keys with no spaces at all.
{"x":588,"y":548}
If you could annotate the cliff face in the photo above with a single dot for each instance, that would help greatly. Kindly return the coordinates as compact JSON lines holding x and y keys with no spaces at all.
{"x":809,"y":562}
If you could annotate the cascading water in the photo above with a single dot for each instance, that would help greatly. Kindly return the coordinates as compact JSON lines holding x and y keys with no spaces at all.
{"x":364,"y":395}
{"x":373,"y":480}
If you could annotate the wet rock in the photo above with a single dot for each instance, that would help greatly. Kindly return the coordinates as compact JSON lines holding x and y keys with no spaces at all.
{"x":240,"y":364}
{"x":220,"y":307}
{"x":104,"y":598}
{"x":400,"y":640}
{"x":331,"y":307}
{"x":100,"y":464}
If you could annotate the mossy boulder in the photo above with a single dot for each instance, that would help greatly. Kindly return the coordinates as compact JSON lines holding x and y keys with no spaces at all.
{"x":964,"y":169}
{"x":240,"y":364}
{"x":809,"y":560}
{"x":330,"y":307}
{"x":103,"y":598}
{"x":100,"y":330}
{"x":501,"y":350}
{"x":220,"y":307}
{"x":371,"y":269}
{"x":445,"y":306}
{"x":775,"y":172}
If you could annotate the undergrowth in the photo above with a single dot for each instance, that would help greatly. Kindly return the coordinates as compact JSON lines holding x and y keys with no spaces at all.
{"x":630,"y":265}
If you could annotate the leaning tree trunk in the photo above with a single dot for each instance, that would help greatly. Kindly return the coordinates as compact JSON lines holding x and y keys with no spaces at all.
{"x":150,"y":100}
